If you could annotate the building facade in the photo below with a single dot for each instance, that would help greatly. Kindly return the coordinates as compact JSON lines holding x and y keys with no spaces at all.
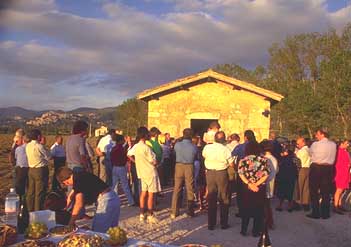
{"x":195,"y":101}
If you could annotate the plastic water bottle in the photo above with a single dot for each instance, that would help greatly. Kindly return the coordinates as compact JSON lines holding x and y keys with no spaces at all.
{"x":11,"y":208}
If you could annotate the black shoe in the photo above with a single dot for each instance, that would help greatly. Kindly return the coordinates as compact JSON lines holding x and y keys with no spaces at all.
{"x":306,"y":208}
{"x":338,"y":211}
{"x":243,"y":233}
{"x":225,"y":226}
{"x":312,"y":216}
{"x":290,"y":210}
{"x":211,"y":228}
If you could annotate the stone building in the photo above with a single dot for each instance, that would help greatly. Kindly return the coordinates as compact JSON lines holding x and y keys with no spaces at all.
{"x":196,"y":100}
{"x":101,"y":131}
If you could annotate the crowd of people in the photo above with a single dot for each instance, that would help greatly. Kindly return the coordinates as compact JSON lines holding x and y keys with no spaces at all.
{"x":206,"y":171}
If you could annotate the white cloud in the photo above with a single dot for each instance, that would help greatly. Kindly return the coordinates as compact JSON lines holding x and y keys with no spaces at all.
{"x":130,"y":50}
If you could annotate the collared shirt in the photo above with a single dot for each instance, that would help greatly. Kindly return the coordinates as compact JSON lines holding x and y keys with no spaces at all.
{"x":217,"y":156}
{"x":108,"y":149}
{"x":75,"y":148}
{"x":104,"y":142}
{"x":21,"y":156}
{"x":144,"y":160}
{"x":323,"y":152}
{"x":58,"y":150}
{"x":232,"y":145}
{"x":304,"y":155}
{"x":239,"y":151}
{"x":273,"y":167}
{"x":185,"y":151}
{"x":37,"y":155}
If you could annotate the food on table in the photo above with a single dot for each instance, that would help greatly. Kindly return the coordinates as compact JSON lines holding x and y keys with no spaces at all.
{"x":8,"y":235}
{"x":36,"y":243}
{"x":118,"y":236}
{"x":36,"y":230}
{"x":82,"y":240}
{"x":62,"y":230}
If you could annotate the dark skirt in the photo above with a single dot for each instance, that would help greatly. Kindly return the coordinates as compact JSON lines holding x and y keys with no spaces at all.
{"x":285,"y":189}
{"x":252,"y":204}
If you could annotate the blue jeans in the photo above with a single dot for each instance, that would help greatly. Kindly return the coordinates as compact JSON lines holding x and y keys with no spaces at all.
{"x":119,"y":174}
{"x":107,"y":212}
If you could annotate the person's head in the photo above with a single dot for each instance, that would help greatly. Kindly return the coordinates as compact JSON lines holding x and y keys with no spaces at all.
{"x":111,"y":131}
{"x":300,"y":142}
{"x":19,"y":132}
{"x":249,"y":135}
{"x":64,"y":176}
{"x":344,"y":144}
{"x":18,"y":140}
{"x":321,"y":133}
{"x":113,"y":136}
{"x":34,"y":135}
{"x":167,"y":136}
{"x":80,"y":127}
{"x":43,"y":140}
{"x":267,"y":146}
{"x":187,"y":133}
{"x":119,"y":139}
{"x":252,"y":148}
{"x":25,"y":139}
{"x":142,"y":133}
{"x":59,"y":139}
{"x":215,"y":126}
{"x":195,"y":140}
{"x":154,"y":132}
{"x":234,"y":137}
{"x":272,"y":135}
{"x":220,"y":137}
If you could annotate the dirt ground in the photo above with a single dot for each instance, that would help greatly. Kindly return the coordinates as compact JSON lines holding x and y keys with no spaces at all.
{"x":292,"y":229}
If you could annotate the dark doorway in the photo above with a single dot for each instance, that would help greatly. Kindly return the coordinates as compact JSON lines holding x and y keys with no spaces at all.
{"x":200,"y":126}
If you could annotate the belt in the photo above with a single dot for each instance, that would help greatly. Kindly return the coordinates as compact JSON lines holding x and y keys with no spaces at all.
{"x":321,"y":164}
{"x":214,"y":170}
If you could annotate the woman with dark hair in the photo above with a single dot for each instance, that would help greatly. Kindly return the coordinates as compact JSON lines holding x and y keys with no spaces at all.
{"x":253,"y":171}
{"x":287,"y":177}
{"x":342,"y":175}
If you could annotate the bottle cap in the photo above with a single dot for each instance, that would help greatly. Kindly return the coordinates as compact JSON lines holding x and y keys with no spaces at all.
{"x":12,"y":190}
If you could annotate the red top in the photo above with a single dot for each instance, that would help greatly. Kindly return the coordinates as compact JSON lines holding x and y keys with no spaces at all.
{"x":342,"y":176}
{"x":118,"y":155}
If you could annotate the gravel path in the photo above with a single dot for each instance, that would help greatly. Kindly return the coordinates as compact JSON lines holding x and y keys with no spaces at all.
{"x":292,"y":229}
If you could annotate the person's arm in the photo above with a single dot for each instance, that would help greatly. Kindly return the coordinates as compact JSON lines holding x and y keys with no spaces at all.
{"x":45,"y":152}
{"x":83,"y":154}
{"x":151,"y":156}
{"x":78,"y":205}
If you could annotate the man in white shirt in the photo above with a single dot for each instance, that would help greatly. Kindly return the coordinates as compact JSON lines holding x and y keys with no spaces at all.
{"x":217,"y":160}
{"x":303,"y":189}
{"x":323,"y":154}
{"x":21,"y":167}
{"x":102,"y":150}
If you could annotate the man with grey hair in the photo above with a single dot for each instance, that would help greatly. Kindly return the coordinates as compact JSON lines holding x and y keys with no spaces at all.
{"x":217,"y":160}
{"x":184,"y":172}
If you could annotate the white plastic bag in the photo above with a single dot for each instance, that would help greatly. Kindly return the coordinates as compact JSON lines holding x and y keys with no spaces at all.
{"x":44,"y":216}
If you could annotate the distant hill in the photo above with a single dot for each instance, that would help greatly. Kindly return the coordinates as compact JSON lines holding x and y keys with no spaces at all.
{"x":57,"y":120}
{"x":10,"y":112}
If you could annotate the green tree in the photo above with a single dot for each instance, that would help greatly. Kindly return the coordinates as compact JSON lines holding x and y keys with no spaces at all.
{"x":131,"y":114}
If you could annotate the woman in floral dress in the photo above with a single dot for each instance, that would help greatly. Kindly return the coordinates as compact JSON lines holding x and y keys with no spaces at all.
{"x":253,"y":171}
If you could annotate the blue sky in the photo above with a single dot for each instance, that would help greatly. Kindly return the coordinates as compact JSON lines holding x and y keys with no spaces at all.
{"x":66,"y":54}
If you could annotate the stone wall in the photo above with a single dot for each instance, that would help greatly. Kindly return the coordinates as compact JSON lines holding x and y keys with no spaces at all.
{"x":236,"y":110}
